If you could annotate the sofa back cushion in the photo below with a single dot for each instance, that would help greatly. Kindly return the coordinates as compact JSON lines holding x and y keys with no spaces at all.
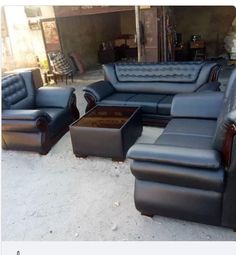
{"x":168,"y":77}
{"x":18,"y":91}
{"x":162,"y":72}
{"x":227,"y":114}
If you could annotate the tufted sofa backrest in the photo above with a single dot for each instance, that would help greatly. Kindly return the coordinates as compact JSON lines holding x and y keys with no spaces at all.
{"x":227,"y":113}
{"x":168,"y":77}
{"x":18,"y":91}
{"x":162,"y":72}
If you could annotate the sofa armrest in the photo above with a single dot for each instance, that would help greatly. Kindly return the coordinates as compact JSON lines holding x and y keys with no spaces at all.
{"x":175,"y":155}
{"x":197,"y":105}
{"x":99,"y":89}
{"x":25,"y":120}
{"x":209,"y":86}
{"x":24,"y":115}
{"x":54,"y":97}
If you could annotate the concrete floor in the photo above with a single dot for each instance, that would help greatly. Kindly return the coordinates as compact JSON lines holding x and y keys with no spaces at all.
{"x":60,"y":197}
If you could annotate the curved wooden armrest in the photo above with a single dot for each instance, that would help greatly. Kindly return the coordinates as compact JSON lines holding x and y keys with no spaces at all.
{"x":91,"y":101}
{"x":228,"y":145}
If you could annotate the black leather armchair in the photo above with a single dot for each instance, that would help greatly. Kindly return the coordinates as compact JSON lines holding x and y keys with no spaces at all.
{"x":34,"y":119}
{"x":189,"y":172}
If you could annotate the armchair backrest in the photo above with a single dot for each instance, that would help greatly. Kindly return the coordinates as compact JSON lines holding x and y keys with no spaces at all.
{"x":227,"y":114}
{"x":18,"y":91}
{"x":164,"y":77}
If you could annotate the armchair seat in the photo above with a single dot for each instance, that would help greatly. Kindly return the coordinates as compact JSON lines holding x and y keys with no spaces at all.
{"x":59,"y":117}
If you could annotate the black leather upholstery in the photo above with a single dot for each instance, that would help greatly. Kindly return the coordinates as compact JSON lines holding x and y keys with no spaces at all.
{"x":117,"y":99}
{"x":164,"y":105}
{"x":24,"y":115}
{"x":184,"y":173}
{"x":186,"y":141}
{"x":17,"y":91}
{"x":177,"y":77}
{"x":53,"y":97}
{"x":191,"y":127}
{"x":34,"y":119}
{"x":164,"y":72}
{"x":227,"y":113}
{"x":172,"y":155}
{"x":179,"y":202}
{"x":100,"y":89}
{"x":179,"y":175}
{"x":149,"y":85}
{"x":203,"y":105}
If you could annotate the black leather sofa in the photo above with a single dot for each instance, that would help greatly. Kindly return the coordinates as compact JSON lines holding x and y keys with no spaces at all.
{"x":189,"y":172}
{"x":151,"y":86}
{"x":34,"y":119}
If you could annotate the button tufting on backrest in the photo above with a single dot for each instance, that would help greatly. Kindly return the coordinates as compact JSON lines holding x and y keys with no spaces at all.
{"x":13,"y":89}
{"x":15,"y":92}
{"x":161,"y":72}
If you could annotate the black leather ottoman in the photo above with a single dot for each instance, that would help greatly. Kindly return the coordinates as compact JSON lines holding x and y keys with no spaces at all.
{"x":106,"y":131}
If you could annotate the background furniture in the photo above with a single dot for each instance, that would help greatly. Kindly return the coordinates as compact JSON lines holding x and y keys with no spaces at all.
{"x":189,"y":172}
{"x":106,"y":131}
{"x":106,"y":56}
{"x":122,"y":47}
{"x":34,"y":119}
{"x":60,"y":66}
{"x":197,"y":50}
{"x":151,"y":86}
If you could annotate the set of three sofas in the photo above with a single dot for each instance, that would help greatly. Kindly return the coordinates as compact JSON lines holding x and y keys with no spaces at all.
{"x":190,"y":170}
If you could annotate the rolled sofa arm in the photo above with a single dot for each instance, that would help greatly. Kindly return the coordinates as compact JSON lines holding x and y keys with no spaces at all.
{"x":175,"y":155}
{"x":209,"y":86}
{"x":24,"y":115}
{"x":54,"y":97}
{"x":197,"y":105}
{"x":99,"y":89}
{"x":25,"y":120}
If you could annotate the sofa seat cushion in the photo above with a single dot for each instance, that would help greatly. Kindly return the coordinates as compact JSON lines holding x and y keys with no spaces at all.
{"x":186,"y":141}
{"x":193,"y":127}
{"x":59,"y":119}
{"x":180,"y":176}
{"x":164,"y":106}
{"x":117,"y":98}
{"x":148,"y":102}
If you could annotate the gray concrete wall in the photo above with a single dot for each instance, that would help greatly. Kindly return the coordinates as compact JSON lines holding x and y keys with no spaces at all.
{"x":83,"y":34}
{"x":211,"y":22}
